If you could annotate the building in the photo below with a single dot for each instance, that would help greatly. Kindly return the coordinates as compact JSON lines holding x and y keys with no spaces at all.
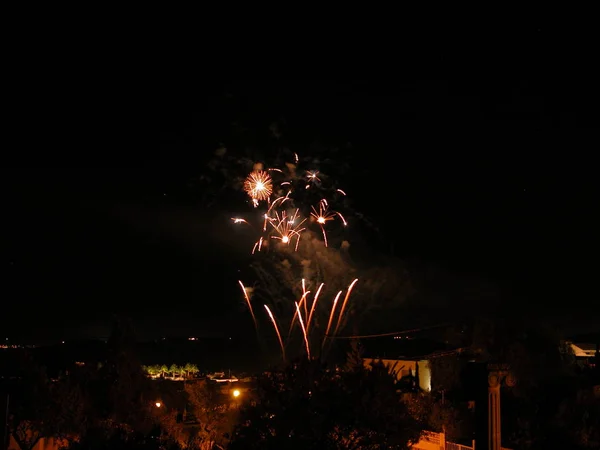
{"x":408,"y":357}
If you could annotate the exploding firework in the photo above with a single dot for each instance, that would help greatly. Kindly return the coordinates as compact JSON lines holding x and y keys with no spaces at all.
{"x":323,"y":215}
{"x":287,"y":227}
{"x":282,"y":220}
{"x":258,"y":186}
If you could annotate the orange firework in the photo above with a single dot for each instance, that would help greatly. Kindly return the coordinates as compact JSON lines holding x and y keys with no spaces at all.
{"x":337,"y":327}
{"x":303,"y":330}
{"x":247,"y":298}
{"x":276,"y":331}
{"x":312,"y":308}
{"x":323,"y":215}
{"x":331,"y":314}
{"x":302,"y":299}
{"x":258,"y":186}
{"x":287,"y":227}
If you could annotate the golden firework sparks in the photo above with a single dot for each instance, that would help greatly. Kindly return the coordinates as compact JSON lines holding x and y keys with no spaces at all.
{"x":340,"y":191}
{"x":287,"y":228}
{"x":323,"y":215}
{"x":258,"y":186}
{"x":331,"y":314}
{"x":302,"y":299}
{"x":303,"y":330}
{"x":312,"y":175}
{"x":239,"y":220}
{"x":312,"y":308}
{"x":340,"y":317}
{"x":276,"y":331}
{"x":257,"y":246}
{"x":247,"y":298}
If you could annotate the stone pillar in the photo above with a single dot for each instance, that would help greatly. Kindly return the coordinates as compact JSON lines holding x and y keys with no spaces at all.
{"x":497,"y":375}
{"x":494,"y":429}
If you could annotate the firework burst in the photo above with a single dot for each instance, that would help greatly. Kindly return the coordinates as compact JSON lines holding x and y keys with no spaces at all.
{"x":283,"y":220}
{"x":258,"y":186}
{"x":324,"y":215}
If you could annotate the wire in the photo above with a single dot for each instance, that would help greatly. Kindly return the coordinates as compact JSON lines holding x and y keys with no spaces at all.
{"x":395,"y":333}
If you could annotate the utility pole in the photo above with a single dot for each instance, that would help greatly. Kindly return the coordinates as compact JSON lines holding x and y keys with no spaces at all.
{"x":6,"y":436}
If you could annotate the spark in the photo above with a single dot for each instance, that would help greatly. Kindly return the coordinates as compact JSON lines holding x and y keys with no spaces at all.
{"x":276,"y":331}
{"x":276,"y":170}
{"x":239,"y":220}
{"x":302,"y":299}
{"x":258,"y":186}
{"x":312,"y":308}
{"x":340,"y":191}
{"x":286,"y":229}
{"x":303,"y":330}
{"x":331,"y":314}
{"x":257,"y":246}
{"x":305,"y":297}
{"x":323,"y":216}
{"x":312,"y":175}
{"x":296,"y":158}
{"x":247,"y":298}
{"x":337,"y":327}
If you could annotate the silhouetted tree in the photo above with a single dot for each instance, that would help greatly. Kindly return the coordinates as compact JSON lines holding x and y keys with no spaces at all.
{"x":305,"y":406}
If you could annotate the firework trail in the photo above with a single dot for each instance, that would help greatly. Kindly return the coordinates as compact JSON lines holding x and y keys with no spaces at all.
{"x":302,"y":299}
{"x":303,"y":330}
{"x":344,"y":306}
{"x":247,"y":298}
{"x":276,"y":331}
{"x":283,"y":219}
{"x":312,"y":308}
{"x":331,"y":314}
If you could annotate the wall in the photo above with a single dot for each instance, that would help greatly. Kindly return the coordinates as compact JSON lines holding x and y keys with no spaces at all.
{"x":42,"y":444}
{"x":405,"y":368}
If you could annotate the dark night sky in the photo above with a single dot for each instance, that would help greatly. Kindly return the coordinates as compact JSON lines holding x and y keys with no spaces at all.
{"x":491,"y":174}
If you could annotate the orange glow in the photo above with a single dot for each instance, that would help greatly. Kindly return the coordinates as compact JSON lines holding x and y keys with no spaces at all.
{"x":344,"y":305}
{"x":276,"y":331}
{"x":247,"y":298}
{"x":258,"y":186}
{"x":303,"y":330}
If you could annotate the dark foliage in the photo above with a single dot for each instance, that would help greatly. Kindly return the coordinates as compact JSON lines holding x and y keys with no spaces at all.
{"x":306,"y":406}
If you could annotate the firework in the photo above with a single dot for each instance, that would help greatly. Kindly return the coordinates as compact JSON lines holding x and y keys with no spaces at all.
{"x":295,"y":316}
{"x":331,"y":314}
{"x":258,"y":186}
{"x":312,"y":177}
{"x":344,"y":305}
{"x":276,"y":331}
{"x":324,"y":215}
{"x":247,"y":298}
{"x":312,"y":308}
{"x":239,"y":220}
{"x":286,"y":228}
{"x":303,"y":330}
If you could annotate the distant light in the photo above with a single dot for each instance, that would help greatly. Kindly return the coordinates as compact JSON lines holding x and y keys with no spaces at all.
{"x":63,"y":342}
{"x":236,"y":393}
{"x":158,"y":404}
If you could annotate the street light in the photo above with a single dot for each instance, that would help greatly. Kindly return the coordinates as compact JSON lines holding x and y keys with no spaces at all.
{"x":158,"y":404}
{"x":236,"y":393}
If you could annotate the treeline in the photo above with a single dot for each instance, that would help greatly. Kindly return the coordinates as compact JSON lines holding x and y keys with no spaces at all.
{"x":174,"y":371}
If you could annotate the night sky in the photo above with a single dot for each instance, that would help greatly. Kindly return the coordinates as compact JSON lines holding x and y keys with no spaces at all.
{"x":490,"y":177}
